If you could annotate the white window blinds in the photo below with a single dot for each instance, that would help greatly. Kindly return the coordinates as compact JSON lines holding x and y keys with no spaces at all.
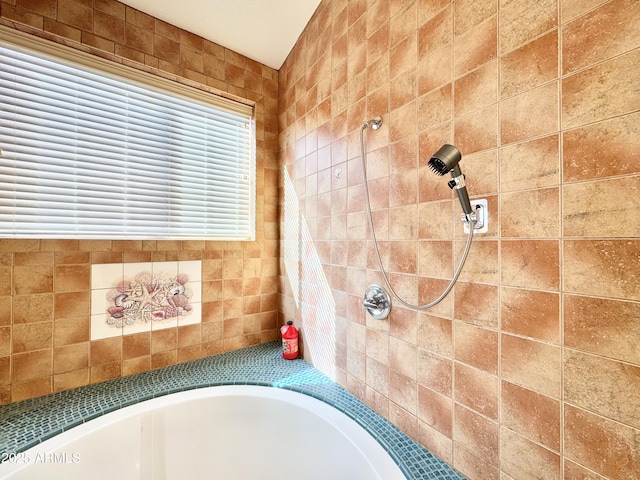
{"x":90,"y":154}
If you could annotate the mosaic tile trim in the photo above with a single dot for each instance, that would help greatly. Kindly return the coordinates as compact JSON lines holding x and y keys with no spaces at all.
{"x":27,"y":423}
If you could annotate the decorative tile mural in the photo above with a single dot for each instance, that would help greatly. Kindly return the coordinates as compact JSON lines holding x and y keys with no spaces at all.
{"x":141,"y":297}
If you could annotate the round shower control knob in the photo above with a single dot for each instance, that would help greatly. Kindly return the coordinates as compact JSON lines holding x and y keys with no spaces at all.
{"x":377,"y":302}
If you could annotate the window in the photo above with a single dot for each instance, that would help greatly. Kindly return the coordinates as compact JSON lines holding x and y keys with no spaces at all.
{"x":96,"y":150}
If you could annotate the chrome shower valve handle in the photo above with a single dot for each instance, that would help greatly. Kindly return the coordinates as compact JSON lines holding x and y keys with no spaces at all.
{"x":377,"y":302}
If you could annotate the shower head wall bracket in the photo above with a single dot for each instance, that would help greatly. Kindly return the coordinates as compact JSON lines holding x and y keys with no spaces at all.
{"x":480,"y":214}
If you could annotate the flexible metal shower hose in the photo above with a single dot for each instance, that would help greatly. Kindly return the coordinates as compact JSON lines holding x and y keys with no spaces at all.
{"x":375,"y":242}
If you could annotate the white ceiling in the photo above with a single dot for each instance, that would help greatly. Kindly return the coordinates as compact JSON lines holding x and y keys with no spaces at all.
{"x":263,"y":30}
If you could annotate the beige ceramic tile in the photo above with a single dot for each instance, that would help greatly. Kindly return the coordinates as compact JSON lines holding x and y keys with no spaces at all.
{"x":6,"y":282}
{"x":403,"y":392}
{"x":5,"y":370}
{"x":532,"y":415}
{"x":523,"y":457}
{"x":531,"y":313}
{"x":481,"y":173}
{"x":71,"y":358}
{"x":534,"y":213}
{"x":428,"y":8}
{"x":529,"y":66}
{"x":377,"y":377}
{"x":475,"y":47}
{"x":603,"y":91}
{"x":531,"y":164}
{"x":602,"y":268}
{"x":534,"y":365}
{"x":402,"y":257}
{"x":521,"y":22}
{"x":573,"y":470}
{"x":106,"y":351}
{"x":589,"y":379}
{"x":32,"y":308}
{"x":477,"y":303}
{"x":569,"y":9}
{"x":586,"y":433}
{"x":435,"y":33}
{"x":32,"y":279}
{"x":600,"y":34}
{"x":469,"y":13}
{"x":163,"y":340}
{"x":586,"y":156}
{"x":136,"y":365}
{"x":434,"y":70}
{"x":434,"y":108}
{"x":477,"y":347}
{"x":432,"y":188}
{"x":72,"y":278}
{"x":435,"y":372}
{"x":435,"y":335}
{"x":32,"y":365}
{"x":531,"y":264}
{"x":601,"y":208}
{"x":434,"y":259}
{"x":473,"y":466}
{"x":403,"y":358}
{"x":403,"y":23}
{"x":477,"y":131}
{"x":530,"y":114}
{"x":32,"y":336}
{"x":75,"y":304}
{"x":476,"y":433}
{"x":481,"y":265}
{"x":403,"y":325}
{"x":477,"y":89}
{"x":436,"y":442}
{"x":403,"y":189}
{"x":6,"y":313}
{"x":31,"y":388}
{"x":431,"y":288}
{"x":435,"y":410}
{"x":136,"y":345}
{"x":602,"y":326}
{"x":476,"y":390}
{"x":71,"y":330}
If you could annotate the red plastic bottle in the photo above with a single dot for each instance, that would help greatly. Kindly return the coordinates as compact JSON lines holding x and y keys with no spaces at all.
{"x":289,"y":341}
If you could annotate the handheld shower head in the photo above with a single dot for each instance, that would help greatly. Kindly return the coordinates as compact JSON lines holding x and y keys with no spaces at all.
{"x":446,"y":160}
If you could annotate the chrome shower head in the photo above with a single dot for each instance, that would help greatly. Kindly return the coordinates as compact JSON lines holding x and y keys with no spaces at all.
{"x":446,"y":160}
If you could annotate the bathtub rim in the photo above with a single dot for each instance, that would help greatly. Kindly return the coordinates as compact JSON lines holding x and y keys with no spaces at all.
{"x":350,"y":429}
{"x":27,"y":423}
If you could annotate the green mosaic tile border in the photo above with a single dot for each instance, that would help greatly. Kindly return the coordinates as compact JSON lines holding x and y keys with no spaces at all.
{"x":27,"y":423}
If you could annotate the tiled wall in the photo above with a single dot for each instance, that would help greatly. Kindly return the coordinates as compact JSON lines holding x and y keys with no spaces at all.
{"x":45,"y":285}
{"x":531,"y":367}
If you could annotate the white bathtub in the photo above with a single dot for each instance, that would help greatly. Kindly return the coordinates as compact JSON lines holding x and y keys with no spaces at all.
{"x":219,"y":433}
